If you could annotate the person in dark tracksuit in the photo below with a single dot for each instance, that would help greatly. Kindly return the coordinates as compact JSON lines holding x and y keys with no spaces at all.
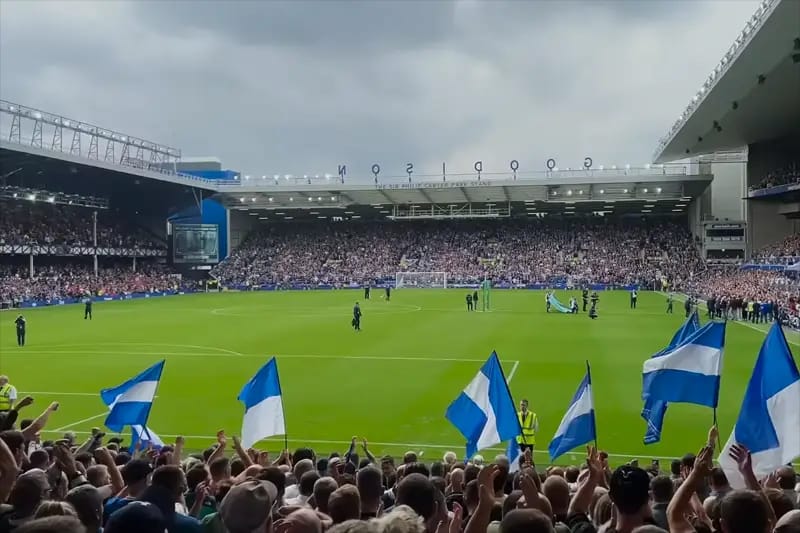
{"x":87,"y":309}
{"x":20,"y":323}
{"x":366,"y":292}
{"x":357,"y":317}
{"x":469,"y":302}
{"x":634,"y":297}
{"x":585,"y":296}
{"x":475,"y":301}
{"x":388,"y":293}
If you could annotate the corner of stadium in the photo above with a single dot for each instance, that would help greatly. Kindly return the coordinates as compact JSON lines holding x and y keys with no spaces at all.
{"x":185,"y":260}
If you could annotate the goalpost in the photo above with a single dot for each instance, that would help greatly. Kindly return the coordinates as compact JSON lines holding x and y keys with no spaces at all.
{"x":421,"y":280}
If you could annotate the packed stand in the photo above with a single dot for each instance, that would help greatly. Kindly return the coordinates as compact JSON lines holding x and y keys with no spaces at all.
{"x":68,"y":486}
{"x":45,"y":224}
{"x":756,"y":296}
{"x":55,"y":283}
{"x":513,"y":252}
{"x":783,"y":176}
{"x":784,"y":252}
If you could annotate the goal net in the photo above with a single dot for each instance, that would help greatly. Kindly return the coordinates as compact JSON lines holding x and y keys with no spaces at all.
{"x":421,"y":280}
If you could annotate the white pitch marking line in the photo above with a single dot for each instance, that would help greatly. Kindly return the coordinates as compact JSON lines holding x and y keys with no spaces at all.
{"x":79,"y":422}
{"x":412,"y":446}
{"x":513,"y":371}
{"x":50,"y":393}
{"x":279,"y":356}
{"x":742,"y":322}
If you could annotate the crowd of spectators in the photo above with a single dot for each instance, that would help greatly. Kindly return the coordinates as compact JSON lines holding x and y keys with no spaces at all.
{"x":66,"y":486}
{"x":756,"y":296}
{"x":509,"y":252}
{"x":53,"y":283}
{"x":45,"y":224}
{"x":785,"y":251}
{"x":783,"y":176}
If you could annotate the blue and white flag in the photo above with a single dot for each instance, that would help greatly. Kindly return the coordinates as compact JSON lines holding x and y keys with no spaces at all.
{"x":484,"y":412}
{"x":654,"y":410}
{"x":514,"y":456}
{"x":690,"y":372}
{"x":263,"y":406}
{"x":578,"y":425}
{"x":146,"y":436}
{"x":769,"y":420}
{"x":130,"y":402}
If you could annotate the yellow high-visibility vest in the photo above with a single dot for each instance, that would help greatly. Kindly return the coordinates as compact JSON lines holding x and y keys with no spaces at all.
{"x":5,"y":400}
{"x":527,"y":422}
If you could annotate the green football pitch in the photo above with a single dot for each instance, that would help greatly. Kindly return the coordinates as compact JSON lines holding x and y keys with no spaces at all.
{"x":390,"y":383}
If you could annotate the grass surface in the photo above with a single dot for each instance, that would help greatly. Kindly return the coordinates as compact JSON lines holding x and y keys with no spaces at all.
{"x":391,"y":383}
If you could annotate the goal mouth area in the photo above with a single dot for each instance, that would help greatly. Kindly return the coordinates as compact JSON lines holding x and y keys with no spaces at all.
{"x":421,"y":280}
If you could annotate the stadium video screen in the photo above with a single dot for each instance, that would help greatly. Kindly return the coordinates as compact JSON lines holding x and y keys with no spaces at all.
{"x":195,"y":243}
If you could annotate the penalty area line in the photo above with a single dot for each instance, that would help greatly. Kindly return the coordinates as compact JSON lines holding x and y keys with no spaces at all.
{"x":513,"y":371}
{"x":87,"y":419}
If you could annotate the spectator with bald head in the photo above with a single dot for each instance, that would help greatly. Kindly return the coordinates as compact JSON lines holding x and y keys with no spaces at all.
{"x":370,"y":489}
{"x":323,"y":488}
{"x":53,"y":524}
{"x":300,"y":468}
{"x":744,"y":511}
{"x":556,"y":489}
{"x":344,"y":504}
{"x":526,"y":521}
{"x":88,"y":503}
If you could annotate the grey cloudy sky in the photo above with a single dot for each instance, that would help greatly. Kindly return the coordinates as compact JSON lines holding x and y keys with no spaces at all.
{"x":299,"y":87}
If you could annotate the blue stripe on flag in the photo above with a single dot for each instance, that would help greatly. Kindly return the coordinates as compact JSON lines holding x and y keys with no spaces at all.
{"x":124,"y":412}
{"x":580,"y":431}
{"x":265,"y":384}
{"x":670,"y":385}
{"x":775,"y":370}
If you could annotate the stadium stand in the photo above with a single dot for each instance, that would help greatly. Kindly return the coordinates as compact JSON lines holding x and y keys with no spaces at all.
{"x":61,"y":281}
{"x":23,"y":222}
{"x":63,"y":485}
{"x":515,"y":253}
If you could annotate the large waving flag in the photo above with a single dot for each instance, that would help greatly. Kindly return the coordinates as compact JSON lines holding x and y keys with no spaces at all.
{"x":130,"y":402}
{"x":263,"y":406}
{"x":484,"y":412}
{"x":558,"y":306}
{"x":578,"y":426}
{"x":654,"y":410}
{"x":690,"y":372}
{"x":769,"y":420}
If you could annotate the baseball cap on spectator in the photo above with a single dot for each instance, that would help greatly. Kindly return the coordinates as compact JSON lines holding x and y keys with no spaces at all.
{"x":248,"y":506}
{"x":629,"y":489}
{"x":136,"y":517}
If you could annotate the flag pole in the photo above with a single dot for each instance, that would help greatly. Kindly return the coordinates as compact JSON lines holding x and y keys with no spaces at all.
{"x":591,"y":392}
{"x":155,"y":393}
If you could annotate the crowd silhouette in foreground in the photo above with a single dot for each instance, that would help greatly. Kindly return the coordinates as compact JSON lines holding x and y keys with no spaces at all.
{"x":57,"y":484}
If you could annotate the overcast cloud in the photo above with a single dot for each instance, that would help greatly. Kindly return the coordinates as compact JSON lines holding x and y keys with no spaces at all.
{"x":300,"y":87}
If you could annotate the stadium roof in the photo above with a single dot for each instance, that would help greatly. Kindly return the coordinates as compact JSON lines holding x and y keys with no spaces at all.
{"x":642,"y":191}
{"x":751,"y":96}
{"x":34,"y":168}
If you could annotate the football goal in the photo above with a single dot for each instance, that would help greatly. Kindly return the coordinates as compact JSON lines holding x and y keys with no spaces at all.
{"x":421,"y":280}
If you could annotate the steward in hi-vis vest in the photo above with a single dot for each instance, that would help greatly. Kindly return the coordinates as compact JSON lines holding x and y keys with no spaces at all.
{"x":529,"y":424}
